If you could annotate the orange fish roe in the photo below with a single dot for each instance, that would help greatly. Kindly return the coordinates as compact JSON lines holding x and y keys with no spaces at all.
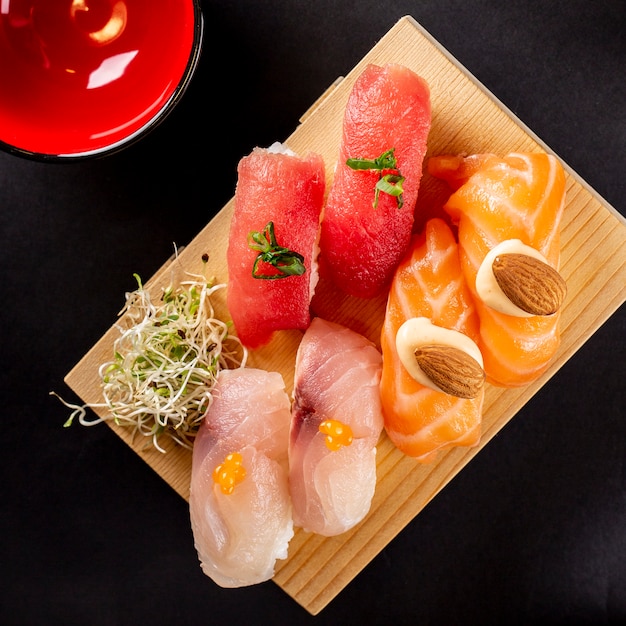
{"x":337,"y":434}
{"x":229,"y":473}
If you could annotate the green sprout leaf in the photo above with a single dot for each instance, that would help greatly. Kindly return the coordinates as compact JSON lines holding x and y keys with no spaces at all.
{"x":165,"y":363}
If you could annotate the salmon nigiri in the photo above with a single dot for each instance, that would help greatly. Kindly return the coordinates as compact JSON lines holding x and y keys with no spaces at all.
{"x":508,"y":212}
{"x":369,"y":213}
{"x":273,"y":242}
{"x":432,"y":382}
{"x":336,"y":423}
{"x":240,"y":510}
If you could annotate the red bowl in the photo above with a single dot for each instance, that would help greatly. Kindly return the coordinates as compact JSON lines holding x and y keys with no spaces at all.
{"x":85,"y":78}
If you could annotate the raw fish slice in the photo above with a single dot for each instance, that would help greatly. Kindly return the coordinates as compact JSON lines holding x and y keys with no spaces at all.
{"x":519,"y":196}
{"x":428,"y":283}
{"x":277,"y":186}
{"x":388,"y":108}
{"x":337,"y":377}
{"x":248,"y":408}
{"x":240,"y":535}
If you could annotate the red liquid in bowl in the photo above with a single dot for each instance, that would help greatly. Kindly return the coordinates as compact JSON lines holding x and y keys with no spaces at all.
{"x":77,"y":76}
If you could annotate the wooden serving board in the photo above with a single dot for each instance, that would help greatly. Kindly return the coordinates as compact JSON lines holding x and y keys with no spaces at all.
{"x":466,"y":119}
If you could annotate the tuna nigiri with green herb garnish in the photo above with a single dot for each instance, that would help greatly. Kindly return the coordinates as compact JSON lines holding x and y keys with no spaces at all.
{"x":369,"y":214}
{"x":273,"y":242}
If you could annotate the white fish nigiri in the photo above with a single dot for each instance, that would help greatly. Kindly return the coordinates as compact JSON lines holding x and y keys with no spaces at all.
{"x":241,"y":447}
{"x":335,"y":425}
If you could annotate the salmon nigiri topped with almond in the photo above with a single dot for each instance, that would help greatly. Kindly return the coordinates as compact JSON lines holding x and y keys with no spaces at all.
{"x":432,"y":385}
{"x":508,"y":212}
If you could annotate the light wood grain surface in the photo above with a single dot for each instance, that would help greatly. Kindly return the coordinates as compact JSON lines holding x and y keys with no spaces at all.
{"x":466,"y":119}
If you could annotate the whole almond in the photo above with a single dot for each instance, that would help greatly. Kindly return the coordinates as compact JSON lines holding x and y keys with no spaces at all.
{"x":454,"y":371}
{"x":529,"y":283}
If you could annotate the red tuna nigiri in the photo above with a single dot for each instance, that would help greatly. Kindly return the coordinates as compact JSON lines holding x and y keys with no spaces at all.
{"x":361,"y":244}
{"x":518,"y":198}
{"x":279,"y":197}
{"x":336,"y":423}
{"x":239,"y":501}
{"x":428,"y":286}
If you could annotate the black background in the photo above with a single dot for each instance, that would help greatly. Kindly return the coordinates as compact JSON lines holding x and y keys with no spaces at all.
{"x":534,"y":529}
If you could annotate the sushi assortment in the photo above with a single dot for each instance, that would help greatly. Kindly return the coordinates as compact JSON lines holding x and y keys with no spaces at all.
{"x":471,"y":298}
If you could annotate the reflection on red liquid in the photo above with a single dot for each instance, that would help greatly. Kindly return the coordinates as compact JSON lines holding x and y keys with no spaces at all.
{"x":72,"y":38}
{"x":100,"y":67}
{"x":101,"y":27}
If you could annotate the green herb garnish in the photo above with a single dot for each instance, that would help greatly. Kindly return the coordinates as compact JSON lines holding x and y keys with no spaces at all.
{"x":286,"y":261}
{"x":390,"y":183}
